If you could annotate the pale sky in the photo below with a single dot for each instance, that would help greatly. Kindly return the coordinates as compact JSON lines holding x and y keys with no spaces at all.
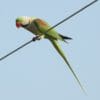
{"x":37,"y":72}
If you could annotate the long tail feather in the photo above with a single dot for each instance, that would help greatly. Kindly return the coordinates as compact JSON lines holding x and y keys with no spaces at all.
{"x":58,"y":48}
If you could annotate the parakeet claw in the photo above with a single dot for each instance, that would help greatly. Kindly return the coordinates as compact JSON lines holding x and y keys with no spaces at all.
{"x":36,"y":38}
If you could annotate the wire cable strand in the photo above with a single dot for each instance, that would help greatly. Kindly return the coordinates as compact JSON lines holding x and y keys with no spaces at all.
{"x":35,"y":38}
{"x":16,"y":50}
{"x":72,"y":15}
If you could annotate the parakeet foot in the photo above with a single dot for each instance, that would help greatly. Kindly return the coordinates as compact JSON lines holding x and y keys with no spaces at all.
{"x":36,"y":38}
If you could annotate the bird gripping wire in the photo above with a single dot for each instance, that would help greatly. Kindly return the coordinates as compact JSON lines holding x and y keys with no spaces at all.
{"x":36,"y":38}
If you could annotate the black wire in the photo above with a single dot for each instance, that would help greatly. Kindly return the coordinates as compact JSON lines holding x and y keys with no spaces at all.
{"x":49,"y":29}
{"x":72,"y":15}
{"x":16,"y":50}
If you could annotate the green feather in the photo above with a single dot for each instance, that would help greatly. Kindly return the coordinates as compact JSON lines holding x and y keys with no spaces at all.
{"x":58,"y":48}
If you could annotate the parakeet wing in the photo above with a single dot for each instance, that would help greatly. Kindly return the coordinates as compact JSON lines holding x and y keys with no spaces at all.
{"x":43,"y":27}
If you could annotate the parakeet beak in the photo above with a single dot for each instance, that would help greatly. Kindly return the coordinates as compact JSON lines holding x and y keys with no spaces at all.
{"x":18,"y":24}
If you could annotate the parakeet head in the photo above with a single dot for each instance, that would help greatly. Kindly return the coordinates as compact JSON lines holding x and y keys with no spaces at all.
{"x":23,"y":21}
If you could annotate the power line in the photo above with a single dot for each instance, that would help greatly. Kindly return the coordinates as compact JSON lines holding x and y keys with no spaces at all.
{"x":35,"y":38}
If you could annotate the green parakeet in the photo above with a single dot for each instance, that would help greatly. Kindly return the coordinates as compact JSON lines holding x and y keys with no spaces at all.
{"x":39,"y":27}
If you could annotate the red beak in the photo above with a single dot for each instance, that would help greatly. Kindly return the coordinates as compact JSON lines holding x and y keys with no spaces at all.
{"x":18,"y":25}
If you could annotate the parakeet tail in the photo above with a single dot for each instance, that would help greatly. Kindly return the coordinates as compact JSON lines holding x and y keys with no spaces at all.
{"x":58,"y":48}
{"x":65,"y":37}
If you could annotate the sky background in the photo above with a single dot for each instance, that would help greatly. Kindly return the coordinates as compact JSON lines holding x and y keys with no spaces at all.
{"x":37,"y":72}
